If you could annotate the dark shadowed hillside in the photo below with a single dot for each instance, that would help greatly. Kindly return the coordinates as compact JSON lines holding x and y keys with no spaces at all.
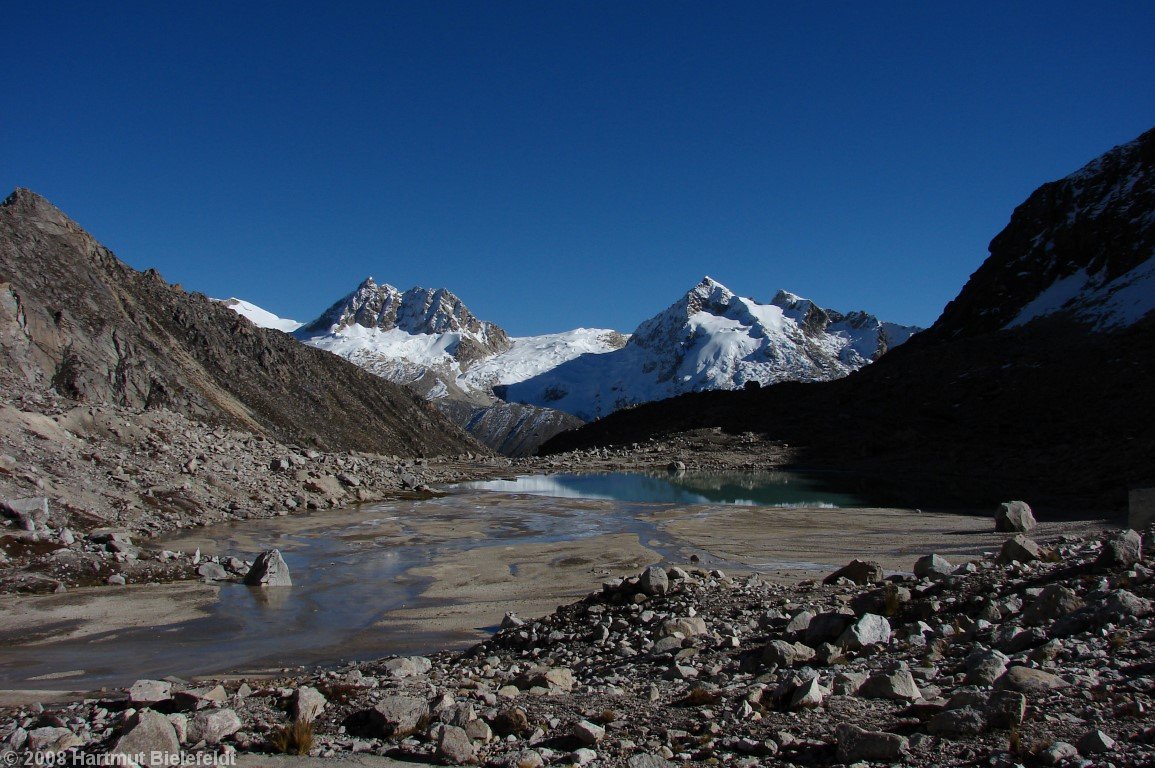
{"x":1035,"y":383}
{"x":76,"y":319}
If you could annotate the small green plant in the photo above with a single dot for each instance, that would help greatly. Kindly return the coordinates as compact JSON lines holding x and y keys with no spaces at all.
{"x":1015,"y":742}
{"x":293,"y":739}
{"x":892,"y":601}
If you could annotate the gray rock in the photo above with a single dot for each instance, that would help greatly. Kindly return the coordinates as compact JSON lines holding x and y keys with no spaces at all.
{"x":858,"y":571}
{"x":809,"y":695}
{"x":150,"y":734}
{"x":212,"y":571}
{"x":149,"y":691}
{"x":213,"y":726}
{"x":856,"y":743}
{"x":307,"y":703}
{"x":1057,"y":753}
{"x":648,"y":761}
{"x":654,"y":581}
{"x":588,"y":733}
{"x":689,"y":626}
{"x":1122,"y":550}
{"x":31,"y":513}
{"x":396,"y":716}
{"x":407,"y":666}
{"x":676,"y":467}
{"x":453,"y":744}
{"x":954,"y":723}
{"x":1006,"y":709}
{"x":1019,"y":548}
{"x":898,"y":685}
{"x":1014,"y":517}
{"x":116,"y":580}
{"x":1122,"y":603}
{"x":1095,"y":742}
{"x":932,"y":565}
{"x":1054,"y":602}
{"x":985,"y":667}
{"x":778,"y":653}
{"x":869,"y":630}
{"x":799,"y":622}
{"x":827,"y":627}
{"x":526,"y":758}
{"x":269,"y":570}
{"x":52,"y":739}
{"x":1030,"y":681}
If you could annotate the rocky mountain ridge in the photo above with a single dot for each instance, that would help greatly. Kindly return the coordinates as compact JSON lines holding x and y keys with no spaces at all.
{"x":712,"y":339}
{"x":78,"y":321}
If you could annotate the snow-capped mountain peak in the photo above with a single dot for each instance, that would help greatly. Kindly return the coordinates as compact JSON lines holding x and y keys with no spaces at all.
{"x":262,"y":318}
{"x":712,"y":338}
{"x":416,"y":312}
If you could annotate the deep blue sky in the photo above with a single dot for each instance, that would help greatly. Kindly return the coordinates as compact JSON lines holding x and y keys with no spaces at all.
{"x":559,"y":164}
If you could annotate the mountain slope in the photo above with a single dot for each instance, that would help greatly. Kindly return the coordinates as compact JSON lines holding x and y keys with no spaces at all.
{"x":980,"y":408}
{"x":712,"y":339}
{"x":75,"y":318}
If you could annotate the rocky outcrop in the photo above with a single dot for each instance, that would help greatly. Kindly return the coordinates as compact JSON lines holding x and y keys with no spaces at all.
{"x":75,"y":319}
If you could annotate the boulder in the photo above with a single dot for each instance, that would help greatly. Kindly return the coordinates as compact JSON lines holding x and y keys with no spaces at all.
{"x":588,"y":733}
{"x":1122,"y":550}
{"x":395,"y":716}
{"x":407,"y":666}
{"x":1141,"y":509}
{"x":1030,"y":681}
{"x":654,"y":581}
{"x":898,"y":685}
{"x":269,"y":570}
{"x":152,"y":735}
{"x":213,"y":725}
{"x":956,"y":723}
{"x":932,"y":565}
{"x":869,"y":630}
{"x":858,"y":571}
{"x":1019,"y":548}
{"x":688,"y":626}
{"x":1014,"y":517}
{"x":453,"y":745}
{"x":149,"y":691}
{"x":856,"y":744}
{"x":307,"y":703}
{"x":827,"y":627}
{"x":1006,"y":709}
{"x":1095,"y":742}
{"x":51,"y":739}
{"x":1054,"y":602}
{"x":30,"y":513}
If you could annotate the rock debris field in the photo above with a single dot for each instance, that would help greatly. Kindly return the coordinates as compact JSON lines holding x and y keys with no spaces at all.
{"x":1039,"y":654}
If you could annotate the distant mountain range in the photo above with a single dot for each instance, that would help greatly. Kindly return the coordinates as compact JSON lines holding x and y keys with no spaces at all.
{"x":708,"y":339}
{"x":1034,"y":383}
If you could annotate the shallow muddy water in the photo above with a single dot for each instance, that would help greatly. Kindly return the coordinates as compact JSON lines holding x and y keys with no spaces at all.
{"x":391,"y":578}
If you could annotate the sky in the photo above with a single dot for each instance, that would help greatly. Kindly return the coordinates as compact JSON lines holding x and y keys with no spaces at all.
{"x":564,"y":164}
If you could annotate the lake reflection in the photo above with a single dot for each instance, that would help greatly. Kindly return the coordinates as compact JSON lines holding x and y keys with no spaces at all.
{"x":774,"y":489}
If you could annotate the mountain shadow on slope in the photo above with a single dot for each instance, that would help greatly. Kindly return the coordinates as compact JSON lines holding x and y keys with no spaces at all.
{"x":1035,"y":383}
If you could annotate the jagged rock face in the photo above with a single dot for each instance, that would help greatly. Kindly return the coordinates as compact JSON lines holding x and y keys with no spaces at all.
{"x":1079,"y":247}
{"x":712,"y":339}
{"x":416,"y":311}
{"x":511,"y":429}
{"x":74,"y":318}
